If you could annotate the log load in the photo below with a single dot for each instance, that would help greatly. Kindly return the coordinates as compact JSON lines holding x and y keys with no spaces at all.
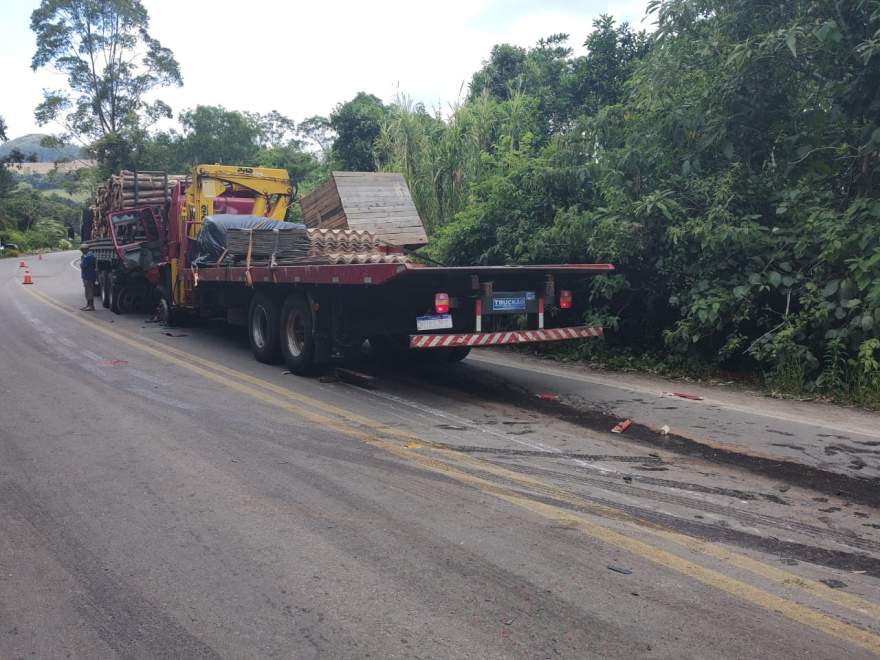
{"x":131,"y":189}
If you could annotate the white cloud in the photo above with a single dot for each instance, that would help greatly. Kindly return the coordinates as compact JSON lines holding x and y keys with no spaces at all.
{"x":301,"y":58}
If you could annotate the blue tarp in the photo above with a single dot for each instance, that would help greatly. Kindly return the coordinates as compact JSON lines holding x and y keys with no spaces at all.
{"x":211,"y":241}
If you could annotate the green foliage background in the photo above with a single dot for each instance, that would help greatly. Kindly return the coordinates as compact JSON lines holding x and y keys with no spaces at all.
{"x":727,"y":164}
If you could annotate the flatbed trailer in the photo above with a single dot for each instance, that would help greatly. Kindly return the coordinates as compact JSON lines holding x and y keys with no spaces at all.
{"x":307,"y":313}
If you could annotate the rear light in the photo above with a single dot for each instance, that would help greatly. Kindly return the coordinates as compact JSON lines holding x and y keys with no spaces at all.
{"x":565,"y":299}
{"x":441,"y":303}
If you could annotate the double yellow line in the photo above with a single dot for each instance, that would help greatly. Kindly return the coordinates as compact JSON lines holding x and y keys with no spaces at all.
{"x":527,"y":493}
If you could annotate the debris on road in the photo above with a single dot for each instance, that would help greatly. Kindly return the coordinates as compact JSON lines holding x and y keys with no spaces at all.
{"x":175,"y":334}
{"x":619,"y":569}
{"x":622,"y":426}
{"x":353,"y":377}
{"x":683,"y":395}
{"x":548,"y":396}
{"x":664,"y":430}
{"x":115,"y":362}
{"x":834,"y":584}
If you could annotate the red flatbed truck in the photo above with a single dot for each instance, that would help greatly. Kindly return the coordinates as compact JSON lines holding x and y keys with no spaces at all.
{"x":307,"y":313}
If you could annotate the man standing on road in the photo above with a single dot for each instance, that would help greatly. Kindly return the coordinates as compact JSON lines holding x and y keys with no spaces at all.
{"x":88,"y":266}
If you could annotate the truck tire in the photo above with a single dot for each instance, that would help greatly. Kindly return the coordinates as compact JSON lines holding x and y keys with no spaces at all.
{"x":112,"y":294}
{"x":297,"y":335}
{"x":263,"y":328}
{"x":104,"y":279}
{"x":124,"y":298}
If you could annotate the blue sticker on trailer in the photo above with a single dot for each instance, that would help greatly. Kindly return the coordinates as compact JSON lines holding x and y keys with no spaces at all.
{"x":509,"y":304}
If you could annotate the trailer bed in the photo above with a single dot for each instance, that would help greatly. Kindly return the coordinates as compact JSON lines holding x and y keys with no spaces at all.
{"x":375,"y":274}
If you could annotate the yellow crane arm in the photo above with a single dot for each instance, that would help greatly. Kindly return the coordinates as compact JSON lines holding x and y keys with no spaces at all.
{"x":271,"y":186}
{"x":272,"y":197}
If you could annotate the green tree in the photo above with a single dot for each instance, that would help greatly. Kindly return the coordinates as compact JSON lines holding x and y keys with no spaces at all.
{"x":357,"y":124}
{"x":505,"y":69}
{"x":612,"y":50}
{"x":213,"y":134}
{"x":111,"y":62}
{"x":6,"y":180}
{"x":317,"y":132}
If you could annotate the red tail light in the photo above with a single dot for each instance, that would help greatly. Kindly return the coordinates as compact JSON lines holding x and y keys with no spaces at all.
{"x":441,"y":303}
{"x":565,"y":299}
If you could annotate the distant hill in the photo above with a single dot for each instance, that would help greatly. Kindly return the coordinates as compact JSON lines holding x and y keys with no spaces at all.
{"x":30,"y":144}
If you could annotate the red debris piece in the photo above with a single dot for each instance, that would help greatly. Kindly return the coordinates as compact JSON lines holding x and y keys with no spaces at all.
{"x":622,"y":426}
{"x":548,"y":396}
{"x":685,"y":395}
{"x":118,"y":363}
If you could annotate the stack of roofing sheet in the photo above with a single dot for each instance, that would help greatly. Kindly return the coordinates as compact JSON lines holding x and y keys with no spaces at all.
{"x":278,"y":242}
{"x":362,"y":258}
{"x":330,"y":241}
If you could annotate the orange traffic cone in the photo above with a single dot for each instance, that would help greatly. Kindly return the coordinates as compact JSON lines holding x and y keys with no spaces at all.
{"x":27,"y":278}
{"x":22,"y":264}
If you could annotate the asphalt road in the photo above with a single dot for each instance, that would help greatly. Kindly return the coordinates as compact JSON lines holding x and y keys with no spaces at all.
{"x":162,"y":495}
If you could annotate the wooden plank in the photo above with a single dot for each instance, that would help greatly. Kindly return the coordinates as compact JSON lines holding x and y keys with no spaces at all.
{"x":386,"y":227}
{"x":315,"y":201}
{"x":346,"y":174}
{"x":379,"y":202}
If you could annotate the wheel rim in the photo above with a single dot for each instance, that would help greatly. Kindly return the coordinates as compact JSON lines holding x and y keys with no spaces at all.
{"x":260,"y":326}
{"x":126,"y":299}
{"x":163,"y":314}
{"x":295,"y":333}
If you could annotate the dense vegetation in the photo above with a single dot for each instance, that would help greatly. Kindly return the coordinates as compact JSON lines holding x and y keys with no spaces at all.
{"x":727,"y":164}
{"x":29,"y":218}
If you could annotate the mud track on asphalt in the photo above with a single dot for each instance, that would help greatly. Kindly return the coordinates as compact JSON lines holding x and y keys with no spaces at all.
{"x":463,"y":379}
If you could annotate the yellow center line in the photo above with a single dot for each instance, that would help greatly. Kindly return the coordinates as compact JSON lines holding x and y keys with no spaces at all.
{"x":781,"y":577}
{"x":236,"y":380}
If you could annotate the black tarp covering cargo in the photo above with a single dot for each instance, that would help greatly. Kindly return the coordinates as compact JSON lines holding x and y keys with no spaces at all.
{"x":231,"y":237}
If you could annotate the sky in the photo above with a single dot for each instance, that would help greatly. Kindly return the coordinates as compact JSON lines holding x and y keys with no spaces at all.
{"x":302,"y":58}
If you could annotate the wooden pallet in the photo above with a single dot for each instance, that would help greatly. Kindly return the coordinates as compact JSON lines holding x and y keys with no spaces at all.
{"x":378,"y":202}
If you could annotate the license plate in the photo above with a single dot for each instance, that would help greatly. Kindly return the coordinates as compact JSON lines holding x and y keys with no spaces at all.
{"x":509,"y":304}
{"x":441,"y":322}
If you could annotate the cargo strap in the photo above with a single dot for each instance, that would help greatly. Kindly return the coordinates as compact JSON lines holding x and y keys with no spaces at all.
{"x":247,"y":264}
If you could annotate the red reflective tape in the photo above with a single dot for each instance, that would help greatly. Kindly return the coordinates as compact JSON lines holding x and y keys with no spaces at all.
{"x":509,"y":337}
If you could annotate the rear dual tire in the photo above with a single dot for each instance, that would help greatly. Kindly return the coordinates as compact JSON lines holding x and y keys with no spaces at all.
{"x":282,"y":332}
{"x":263,"y":328}
{"x":298,"y":335}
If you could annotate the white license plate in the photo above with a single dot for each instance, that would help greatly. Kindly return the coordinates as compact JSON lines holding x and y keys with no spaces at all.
{"x":441,"y":322}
